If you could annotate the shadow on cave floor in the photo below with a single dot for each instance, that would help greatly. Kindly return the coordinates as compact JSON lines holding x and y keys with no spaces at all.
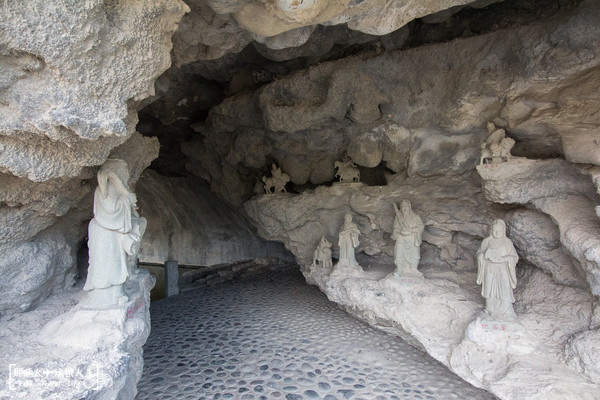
{"x":272,"y":336}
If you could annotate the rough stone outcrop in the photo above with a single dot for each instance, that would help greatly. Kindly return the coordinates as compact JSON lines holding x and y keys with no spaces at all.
{"x":453,"y":210}
{"x":74,"y":73}
{"x":389,"y":103}
{"x":189,"y":224}
{"x":66,"y":350}
{"x":521,"y":359}
{"x":558,"y":189}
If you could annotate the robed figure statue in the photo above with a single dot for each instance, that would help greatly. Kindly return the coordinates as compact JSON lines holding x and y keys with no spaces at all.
{"x":114,"y":233}
{"x":348,"y":240}
{"x":496,"y":262}
{"x":408,"y":234}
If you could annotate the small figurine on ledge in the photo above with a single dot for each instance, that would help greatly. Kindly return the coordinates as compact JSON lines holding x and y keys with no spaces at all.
{"x":497,"y":146}
{"x":276,"y":183}
{"x":322,"y":254}
{"x":496,"y":262}
{"x":346,"y":170}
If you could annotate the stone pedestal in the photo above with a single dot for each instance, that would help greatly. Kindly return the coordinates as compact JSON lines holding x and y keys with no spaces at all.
{"x":90,"y":351}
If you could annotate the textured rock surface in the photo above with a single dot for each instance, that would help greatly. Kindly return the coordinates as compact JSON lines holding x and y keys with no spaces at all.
{"x":73,"y":74}
{"x":512,"y":361}
{"x":67,"y":351}
{"x":525,"y":79}
{"x":560,"y":190}
{"x":189,"y":224}
{"x":453,"y":209}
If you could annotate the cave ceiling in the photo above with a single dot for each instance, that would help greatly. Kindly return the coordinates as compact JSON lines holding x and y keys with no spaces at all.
{"x":232,"y":59}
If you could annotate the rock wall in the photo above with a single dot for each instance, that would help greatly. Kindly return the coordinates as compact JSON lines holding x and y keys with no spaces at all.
{"x":74,"y":73}
{"x":188,"y":223}
{"x":525,"y":79}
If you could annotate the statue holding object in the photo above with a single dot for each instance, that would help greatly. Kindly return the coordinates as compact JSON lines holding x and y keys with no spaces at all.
{"x":496,"y":262}
{"x":408,"y":234}
{"x":114,"y":234}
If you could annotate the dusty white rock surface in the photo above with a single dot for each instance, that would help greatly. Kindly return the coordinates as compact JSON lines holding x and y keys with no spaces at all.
{"x":77,"y":351}
{"x":73,"y":74}
{"x":424,"y":120}
{"x":453,"y":210}
{"x":560,"y":190}
{"x":442,"y":314}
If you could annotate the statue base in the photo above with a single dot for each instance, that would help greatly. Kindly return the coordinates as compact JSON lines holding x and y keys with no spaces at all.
{"x":342,"y":271}
{"x":92,"y":324}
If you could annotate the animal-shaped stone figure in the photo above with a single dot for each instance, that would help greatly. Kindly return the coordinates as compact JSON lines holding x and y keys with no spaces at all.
{"x":322,"y":254}
{"x":347,"y":171}
{"x":277,"y":181}
{"x":497,"y":146}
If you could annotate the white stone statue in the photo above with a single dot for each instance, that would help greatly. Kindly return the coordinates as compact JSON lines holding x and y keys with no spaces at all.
{"x":322,"y":254}
{"x":496,"y":262}
{"x":277,"y":181}
{"x":497,"y":146}
{"x":114,"y":233}
{"x":347,"y":171}
{"x":408,"y":234}
{"x":348,"y":240}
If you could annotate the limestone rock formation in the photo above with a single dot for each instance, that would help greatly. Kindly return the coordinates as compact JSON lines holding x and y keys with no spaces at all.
{"x":388,"y":103}
{"x":64,"y":106}
{"x":558,"y":189}
{"x":189,"y":224}
{"x":449,"y":206}
{"x":513,"y":361}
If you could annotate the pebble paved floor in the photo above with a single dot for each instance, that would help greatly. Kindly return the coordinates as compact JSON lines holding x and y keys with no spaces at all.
{"x":274,"y":337}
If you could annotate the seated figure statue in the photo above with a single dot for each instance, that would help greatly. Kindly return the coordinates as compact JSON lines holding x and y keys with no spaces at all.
{"x":322,"y":254}
{"x":496,"y":262}
{"x":114,"y":233}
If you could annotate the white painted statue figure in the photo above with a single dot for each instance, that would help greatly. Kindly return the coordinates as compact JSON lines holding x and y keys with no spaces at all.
{"x":497,"y":146}
{"x":277,"y":181}
{"x":408,"y":234}
{"x":496,"y":262}
{"x":348,"y":240}
{"x":114,"y":234}
{"x":347,"y":171}
{"x":322,"y":254}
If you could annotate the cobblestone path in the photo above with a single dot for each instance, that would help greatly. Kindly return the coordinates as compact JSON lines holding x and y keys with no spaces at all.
{"x":274,"y":337}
